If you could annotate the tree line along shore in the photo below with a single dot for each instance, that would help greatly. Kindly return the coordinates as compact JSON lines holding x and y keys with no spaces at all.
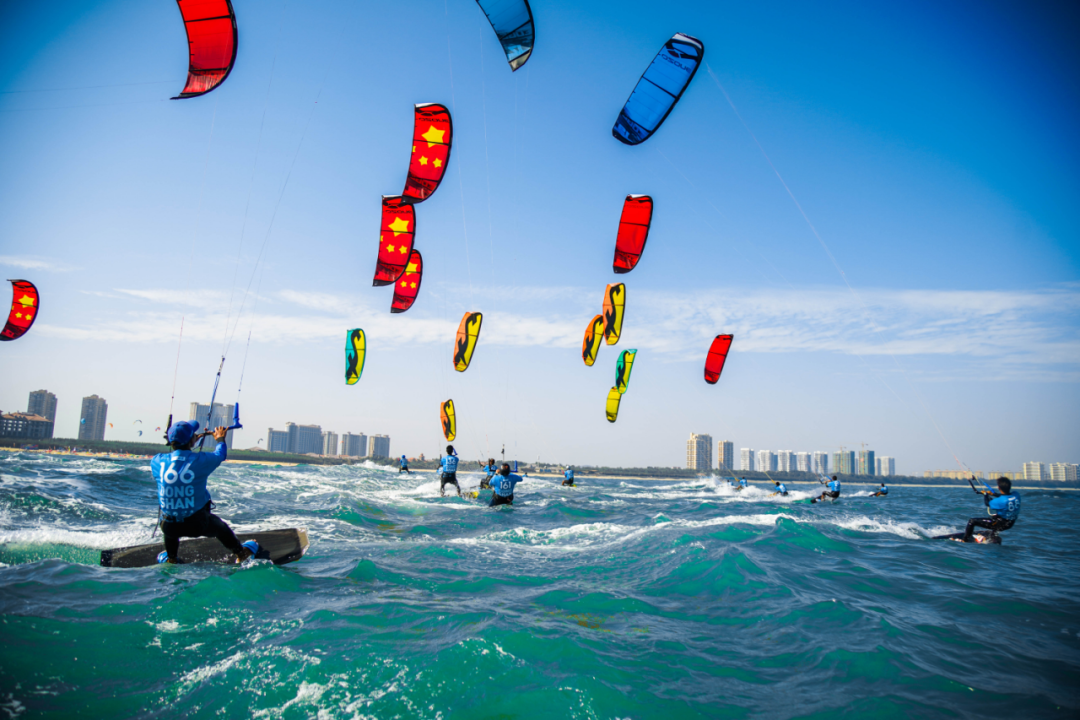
{"x":134,"y":449}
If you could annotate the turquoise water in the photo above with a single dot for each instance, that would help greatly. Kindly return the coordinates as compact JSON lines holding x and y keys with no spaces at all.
{"x":619,"y":599}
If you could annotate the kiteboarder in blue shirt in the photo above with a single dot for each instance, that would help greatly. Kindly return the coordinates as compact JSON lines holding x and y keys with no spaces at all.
{"x":568,"y":477}
{"x":489,"y":471}
{"x":881,"y":492}
{"x":781,"y":489}
{"x":832,"y":490}
{"x":182,"y":495}
{"x":404,"y":466}
{"x":448,"y":473}
{"x":1003,"y":507}
{"x":503,"y":485}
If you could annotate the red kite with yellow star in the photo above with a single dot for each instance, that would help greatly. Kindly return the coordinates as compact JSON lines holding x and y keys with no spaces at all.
{"x":407,"y":286}
{"x":24,"y":310}
{"x":433,"y":132}
{"x":395,"y":239}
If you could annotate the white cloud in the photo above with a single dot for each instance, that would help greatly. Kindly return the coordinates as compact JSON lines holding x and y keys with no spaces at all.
{"x":32,"y":263}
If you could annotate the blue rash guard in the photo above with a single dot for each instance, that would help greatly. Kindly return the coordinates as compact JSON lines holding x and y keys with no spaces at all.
{"x":884,"y":490}
{"x":449,"y":464}
{"x":490,"y":470}
{"x":503,"y":485}
{"x":1007,"y":507}
{"x":833,"y":485}
{"x":181,"y":480}
{"x":569,"y":474}
{"x":404,"y":462}
{"x":781,"y":488}
{"x":743,"y":483}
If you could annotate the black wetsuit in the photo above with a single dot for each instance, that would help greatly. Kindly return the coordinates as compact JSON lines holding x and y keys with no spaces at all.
{"x":994,"y":524}
{"x":202,"y":523}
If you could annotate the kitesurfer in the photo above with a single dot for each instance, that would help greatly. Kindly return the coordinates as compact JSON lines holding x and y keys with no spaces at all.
{"x":404,"y":466}
{"x":781,"y":489}
{"x":182,"y":495}
{"x":568,"y":477}
{"x":448,"y":474}
{"x":1003,"y":507}
{"x":832,"y":490}
{"x":503,"y":485}
{"x":489,"y":472}
{"x":882,"y":492}
{"x":742,"y":484}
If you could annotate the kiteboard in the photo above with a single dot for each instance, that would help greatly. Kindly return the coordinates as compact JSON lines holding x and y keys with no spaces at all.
{"x":277,"y":546}
{"x":979,"y":537}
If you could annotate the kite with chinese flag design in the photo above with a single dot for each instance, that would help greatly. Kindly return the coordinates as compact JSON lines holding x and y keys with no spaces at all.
{"x":407,"y":286}
{"x":395,"y":239}
{"x":24,"y":310}
{"x":433,"y":133}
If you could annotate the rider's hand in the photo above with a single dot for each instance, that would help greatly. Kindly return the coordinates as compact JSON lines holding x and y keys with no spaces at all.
{"x":219,"y":433}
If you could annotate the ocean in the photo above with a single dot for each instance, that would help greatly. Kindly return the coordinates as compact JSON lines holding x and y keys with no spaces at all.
{"x":617,"y":599}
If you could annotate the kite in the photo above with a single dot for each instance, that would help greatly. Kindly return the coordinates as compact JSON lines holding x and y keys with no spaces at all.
{"x":468,"y":333}
{"x":591,"y":344}
{"x":395,"y":239}
{"x":614,"y":397}
{"x":110,"y":424}
{"x":408,"y":286}
{"x":140,"y":433}
{"x":355,"y":354}
{"x":449,"y":420}
{"x":512,"y":21}
{"x":633,"y":232}
{"x":433,"y":132}
{"x":622,"y":369}
{"x":211,"y":33}
{"x":714,"y":362}
{"x":137,"y":422}
{"x":24,"y":309}
{"x":157,"y":428}
{"x":659,"y":89}
{"x":614,"y":304}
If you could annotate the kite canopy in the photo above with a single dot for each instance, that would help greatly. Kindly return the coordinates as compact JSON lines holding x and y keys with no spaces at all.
{"x":433,"y":132}
{"x":659,"y":89}
{"x":211,"y":33}
{"x":355,"y":355}
{"x":633,"y":232}
{"x":468,"y":333}
{"x":591,"y":344}
{"x":24,"y":310}
{"x":622,"y":369}
{"x":512,"y":21}
{"x":449,"y":420}
{"x":408,"y":285}
{"x":614,"y":303}
{"x":714,"y":362}
{"x":611,"y":409}
{"x":396,"y":235}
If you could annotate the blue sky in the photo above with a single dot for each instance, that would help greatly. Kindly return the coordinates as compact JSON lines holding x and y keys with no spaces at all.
{"x":932,"y":148}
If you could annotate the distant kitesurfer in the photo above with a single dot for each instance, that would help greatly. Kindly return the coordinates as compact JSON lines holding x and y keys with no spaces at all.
{"x":185,"y":502}
{"x":489,"y":470}
{"x":832,"y":490}
{"x":882,"y":492}
{"x":781,"y":489}
{"x":448,"y":474}
{"x":742,"y":484}
{"x":1003,"y":506}
{"x":404,"y":466}
{"x":568,"y":477}
{"x":503,"y":485}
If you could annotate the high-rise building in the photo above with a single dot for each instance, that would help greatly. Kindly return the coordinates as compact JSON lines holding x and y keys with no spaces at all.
{"x":820,"y":462}
{"x":43,"y":403}
{"x":844,"y":462}
{"x":25,"y":425}
{"x":1035,"y":471}
{"x":304,"y":439}
{"x":222,"y":416}
{"x":699,"y":452}
{"x":746,"y":459}
{"x":886,"y":465}
{"x":354,"y":445}
{"x":379,"y":446}
{"x":785,"y":461}
{"x":766,"y":461}
{"x":277,"y":440}
{"x":92,"y":420}
{"x":329,"y":443}
{"x":866,"y":462}
{"x":725,"y":455}
{"x":802,"y":462}
{"x":1063,"y":472}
